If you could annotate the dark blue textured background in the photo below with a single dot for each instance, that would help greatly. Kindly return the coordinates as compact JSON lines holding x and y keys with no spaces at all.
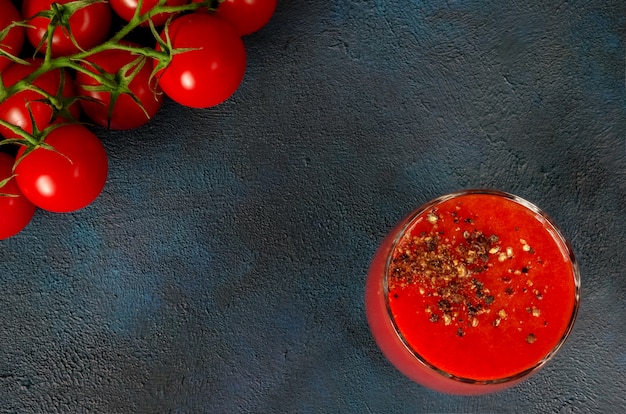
{"x":222,"y":270}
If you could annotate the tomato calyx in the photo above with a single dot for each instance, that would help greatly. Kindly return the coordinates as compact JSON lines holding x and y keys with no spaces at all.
{"x":3,"y":183}
{"x":117,"y":84}
{"x":61,"y":104}
{"x":164,"y":45}
{"x":159,"y":56}
{"x":33,"y":106}
{"x":30,"y":141}
{"x":59,"y":16}
{"x":3,"y":34}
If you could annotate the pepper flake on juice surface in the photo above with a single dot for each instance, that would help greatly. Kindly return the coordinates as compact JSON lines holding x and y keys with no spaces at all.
{"x":447,"y":266}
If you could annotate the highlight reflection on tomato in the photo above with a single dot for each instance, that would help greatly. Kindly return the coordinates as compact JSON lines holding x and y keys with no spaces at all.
{"x":126,"y":9}
{"x":212,"y":70}
{"x":68,"y":178}
{"x":247,"y":16}
{"x":90,"y":26}
{"x":15,"y":109}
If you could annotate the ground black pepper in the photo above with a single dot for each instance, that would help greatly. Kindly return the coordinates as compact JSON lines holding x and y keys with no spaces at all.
{"x":445,"y":269}
{"x":448,"y":269}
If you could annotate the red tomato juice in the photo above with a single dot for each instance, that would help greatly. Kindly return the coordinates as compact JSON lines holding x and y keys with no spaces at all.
{"x":473,"y":292}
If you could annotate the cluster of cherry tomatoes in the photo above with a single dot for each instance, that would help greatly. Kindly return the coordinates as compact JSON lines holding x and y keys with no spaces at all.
{"x":63,"y":62}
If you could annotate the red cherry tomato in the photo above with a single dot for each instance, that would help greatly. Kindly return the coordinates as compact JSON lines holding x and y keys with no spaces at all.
{"x":211,"y":72}
{"x":247,"y":16}
{"x":14,"y":109}
{"x":14,"y":39}
{"x":126,"y":9}
{"x":126,"y":114}
{"x":89,"y":25}
{"x":15,"y":212}
{"x":68,"y":178}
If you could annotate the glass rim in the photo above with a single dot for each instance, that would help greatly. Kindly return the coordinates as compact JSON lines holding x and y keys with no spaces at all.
{"x":557,"y":235}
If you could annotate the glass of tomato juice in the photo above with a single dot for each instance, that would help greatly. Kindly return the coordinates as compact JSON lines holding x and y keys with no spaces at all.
{"x":472,"y":292}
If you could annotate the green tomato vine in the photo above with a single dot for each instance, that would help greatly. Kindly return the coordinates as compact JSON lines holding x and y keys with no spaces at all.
{"x":116,"y":83}
{"x":35,"y":103}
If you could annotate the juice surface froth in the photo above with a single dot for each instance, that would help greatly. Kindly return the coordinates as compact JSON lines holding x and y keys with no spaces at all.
{"x":481,"y":287}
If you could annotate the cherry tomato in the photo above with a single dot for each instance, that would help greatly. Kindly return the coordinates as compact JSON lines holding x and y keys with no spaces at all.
{"x":90,"y":26}
{"x":14,"y":39}
{"x":126,"y":9}
{"x":15,"y":109}
{"x":68,"y":178}
{"x":126,"y":112}
{"x":247,"y":16}
{"x":211,"y":72}
{"x":15,"y":212}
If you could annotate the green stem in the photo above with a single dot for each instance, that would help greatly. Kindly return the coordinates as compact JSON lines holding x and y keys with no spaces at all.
{"x":71,"y":62}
